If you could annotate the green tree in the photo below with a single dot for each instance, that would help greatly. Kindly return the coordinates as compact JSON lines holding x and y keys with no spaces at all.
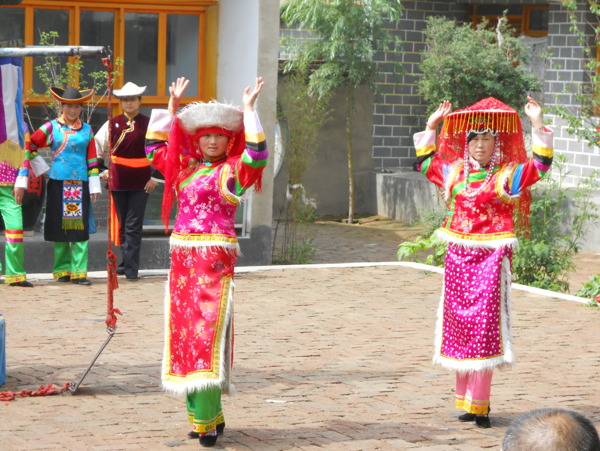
{"x":582,"y":119}
{"x":300,"y":143}
{"x":347,"y":38}
{"x":465,"y":64}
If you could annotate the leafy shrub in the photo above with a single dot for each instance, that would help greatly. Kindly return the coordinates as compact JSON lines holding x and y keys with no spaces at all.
{"x":432,"y":249}
{"x":560,"y":218}
{"x":591,"y":289}
{"x":465,"y":64}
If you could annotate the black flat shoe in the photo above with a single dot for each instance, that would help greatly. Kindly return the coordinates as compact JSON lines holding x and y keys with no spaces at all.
{"x":120,"y":271}
{"x":81,"y":281}
{"x":466,"y":417}
{"x":483,"y":421}
{"x":22,"y":283}
{"x":209,"y":439}
{"x":220,"y":429}
{"x":64,"y":279}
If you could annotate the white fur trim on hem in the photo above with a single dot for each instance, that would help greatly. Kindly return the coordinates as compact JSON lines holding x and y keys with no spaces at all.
{"x":175,"y":243}
{"x":225,"y":381}
{"x":490,"y":244}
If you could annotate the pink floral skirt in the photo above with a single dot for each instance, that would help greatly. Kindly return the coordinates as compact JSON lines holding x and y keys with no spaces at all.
{"x":473,"y":329}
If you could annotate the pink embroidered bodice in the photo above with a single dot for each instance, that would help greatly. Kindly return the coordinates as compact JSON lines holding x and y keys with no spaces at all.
{"x":206,"y":207}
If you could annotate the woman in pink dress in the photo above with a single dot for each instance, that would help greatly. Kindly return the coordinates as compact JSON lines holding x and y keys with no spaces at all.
{"x":482,"y":169}
{"x":210,"y":155}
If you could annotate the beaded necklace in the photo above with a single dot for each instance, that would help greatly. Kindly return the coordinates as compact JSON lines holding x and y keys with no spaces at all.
{"x":470,"y":192}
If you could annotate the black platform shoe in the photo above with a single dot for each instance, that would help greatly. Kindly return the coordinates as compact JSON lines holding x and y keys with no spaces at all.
{"x":209,"y":439}
{"x":81,"y":281}
{"x":466,"y":417}
{"x":483,"y":421}
{"x":220,"y":429}
{"x":22,"y":283}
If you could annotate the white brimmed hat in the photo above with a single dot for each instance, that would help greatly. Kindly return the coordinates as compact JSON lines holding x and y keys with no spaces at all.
{"x":129,"y":90}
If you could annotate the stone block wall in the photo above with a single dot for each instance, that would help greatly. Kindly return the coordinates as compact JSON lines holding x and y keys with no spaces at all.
{"x":399,"y":111}
{"x":565,"y":76}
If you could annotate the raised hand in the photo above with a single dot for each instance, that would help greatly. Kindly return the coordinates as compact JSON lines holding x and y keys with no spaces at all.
{"x":534,"y":112}
{"x":176,"y":90}
{"x":444,"y":109}
{"x":250,"y":95}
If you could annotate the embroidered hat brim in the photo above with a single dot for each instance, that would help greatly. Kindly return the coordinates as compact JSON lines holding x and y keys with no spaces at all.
{"x":71,"y":95}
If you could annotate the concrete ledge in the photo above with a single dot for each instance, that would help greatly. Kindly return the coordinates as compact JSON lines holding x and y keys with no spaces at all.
{"x":401,"y":194}
{"x":39,"y":254}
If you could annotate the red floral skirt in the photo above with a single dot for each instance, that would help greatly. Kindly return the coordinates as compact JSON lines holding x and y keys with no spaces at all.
{"x":198,"y":319}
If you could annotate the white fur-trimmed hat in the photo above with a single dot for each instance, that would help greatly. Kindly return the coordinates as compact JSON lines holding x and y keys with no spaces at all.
{"x":212,"y":114}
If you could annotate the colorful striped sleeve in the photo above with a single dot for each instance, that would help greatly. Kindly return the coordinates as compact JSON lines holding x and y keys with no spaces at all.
{"x":250,"y":166}
{"x":426,"y":163}
{"x":41,"y":138}
{"x":157,"y":136}
{"x":92,"y":157}
{"x":526,"y":174}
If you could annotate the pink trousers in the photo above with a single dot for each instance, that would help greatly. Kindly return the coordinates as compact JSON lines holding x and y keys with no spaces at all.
{"x":473,"y":391}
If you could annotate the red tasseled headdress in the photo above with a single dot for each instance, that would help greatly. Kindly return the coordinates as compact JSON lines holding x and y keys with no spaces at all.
{"x":489,"y":115}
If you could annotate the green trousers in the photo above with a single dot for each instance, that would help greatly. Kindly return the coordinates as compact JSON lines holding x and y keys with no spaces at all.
{"x":204,"y":409}
{"x":70,"y":259}
{"x":13,"y":247}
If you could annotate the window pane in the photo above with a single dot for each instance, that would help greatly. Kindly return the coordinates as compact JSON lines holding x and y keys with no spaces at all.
{"x":141,"y":50}
{"x":97,"y":28}
{"x":44,"y":21}
{"x":12,"y":24}
{"x":182,"y":51}
{"x":538,"y":20}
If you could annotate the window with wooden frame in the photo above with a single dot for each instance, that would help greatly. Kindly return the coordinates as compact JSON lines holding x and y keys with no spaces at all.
{"x":526,"y":20}
{"x":158,"y":40}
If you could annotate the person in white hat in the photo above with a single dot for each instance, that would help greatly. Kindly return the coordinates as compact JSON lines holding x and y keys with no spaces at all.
{"x":130,"y":176}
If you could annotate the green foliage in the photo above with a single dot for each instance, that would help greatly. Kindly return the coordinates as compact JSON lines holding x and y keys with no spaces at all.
{"x":432,"y":249}
{"x":430,"y":220}
{"x":464,"y":65}
{"x":582,"y":118}
{"x":61,"y":72}
{"x":347,"y":36}
{"x":591,"y":289}
{"x":296,"y":245}
{"x":539,"y":263}
{"x":560,"y":218}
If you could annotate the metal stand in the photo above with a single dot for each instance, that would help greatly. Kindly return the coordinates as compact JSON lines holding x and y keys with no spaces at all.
{"x":73,"y":386}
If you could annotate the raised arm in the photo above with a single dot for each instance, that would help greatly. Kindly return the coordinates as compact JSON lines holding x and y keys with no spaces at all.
{"x":176,"y":90}
{"x":444,"y":109}
{"x":534,"y":112}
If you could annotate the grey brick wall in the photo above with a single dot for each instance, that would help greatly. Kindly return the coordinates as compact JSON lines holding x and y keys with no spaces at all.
{"x":398,"y":111}
{"x":565,"y":76}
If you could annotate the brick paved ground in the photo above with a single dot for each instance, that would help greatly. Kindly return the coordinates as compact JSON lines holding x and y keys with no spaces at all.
{"x":335,"y":358}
